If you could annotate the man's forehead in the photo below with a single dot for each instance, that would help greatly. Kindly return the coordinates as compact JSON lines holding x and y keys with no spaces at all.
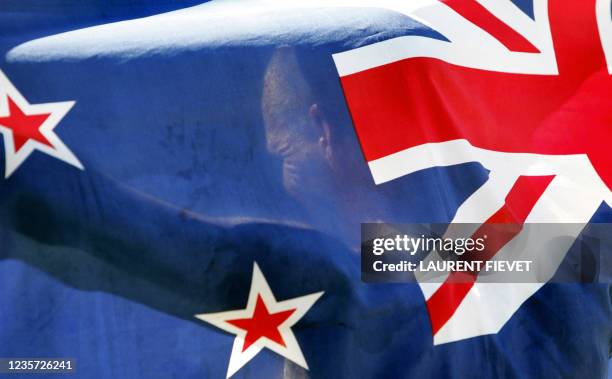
{"x":285,"y":90}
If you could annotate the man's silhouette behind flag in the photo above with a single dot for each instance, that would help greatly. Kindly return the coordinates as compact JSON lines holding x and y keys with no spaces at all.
{"x":207,"y":148}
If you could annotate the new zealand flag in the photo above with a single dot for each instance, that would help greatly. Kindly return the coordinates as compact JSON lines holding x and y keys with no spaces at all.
{"x":184,"y":183}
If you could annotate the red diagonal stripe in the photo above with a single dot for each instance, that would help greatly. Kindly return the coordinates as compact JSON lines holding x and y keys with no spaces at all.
{"x":481,"y":17}
{"x":578,"y":45}
{"x":518,"y":204}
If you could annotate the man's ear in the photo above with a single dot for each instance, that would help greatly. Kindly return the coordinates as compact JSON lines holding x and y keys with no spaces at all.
{"x":323,"y":129}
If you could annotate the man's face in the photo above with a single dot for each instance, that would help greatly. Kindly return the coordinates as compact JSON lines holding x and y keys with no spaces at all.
{"x":322,"y":168}
{"x":291,"y":132}
{"x":306,"y":172}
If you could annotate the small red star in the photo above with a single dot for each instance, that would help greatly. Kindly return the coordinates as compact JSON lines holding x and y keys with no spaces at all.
{"x":255,"y":327}
{"x":262,"y":324}
{"x":25,"y":127}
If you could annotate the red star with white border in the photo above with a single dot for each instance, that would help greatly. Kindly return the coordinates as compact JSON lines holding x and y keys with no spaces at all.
{"x":264,"y":323}
{"x":28,"y":127}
